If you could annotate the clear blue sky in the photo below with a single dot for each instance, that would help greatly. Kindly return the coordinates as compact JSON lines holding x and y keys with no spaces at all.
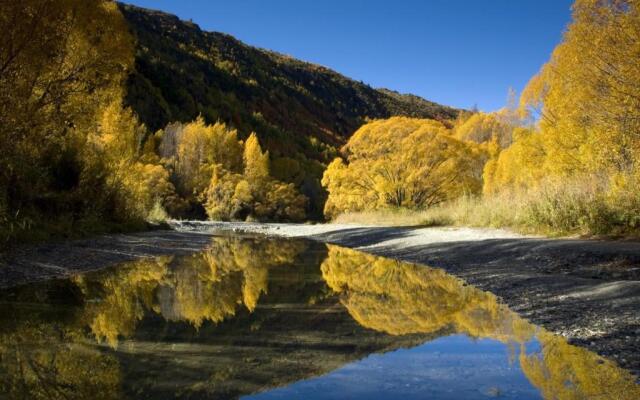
{"x":456,"y":52}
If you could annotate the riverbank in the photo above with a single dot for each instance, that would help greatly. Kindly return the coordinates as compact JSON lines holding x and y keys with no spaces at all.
{"x":585,"y":290}
{"x":55,"y":260}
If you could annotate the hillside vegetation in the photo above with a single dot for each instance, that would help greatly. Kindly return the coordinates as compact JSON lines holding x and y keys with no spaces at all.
{"x":564,"y":159}
{"x":301,"y":112}
{"x":112,"y":115}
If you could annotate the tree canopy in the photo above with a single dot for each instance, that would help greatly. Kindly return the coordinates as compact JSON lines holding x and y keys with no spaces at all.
{"x":401,"y":162}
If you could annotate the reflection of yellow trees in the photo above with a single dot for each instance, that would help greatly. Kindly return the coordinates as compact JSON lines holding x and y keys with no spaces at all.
{"x":399,"y":298}
{"x":207,"y":286}
{"x":125,"y":297}
{"x":211,"y":285}
{"x":38,"y":363}
{"x":42,"y":360}
{"x":563,"y":371}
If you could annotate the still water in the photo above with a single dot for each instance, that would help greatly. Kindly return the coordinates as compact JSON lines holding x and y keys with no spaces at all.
{"x":259,"y":318}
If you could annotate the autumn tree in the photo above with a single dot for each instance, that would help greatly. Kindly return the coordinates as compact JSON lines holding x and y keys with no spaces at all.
{"x":578,"y":168}
{"x":254,"y":194}
{"x":62,"y":63}
{"x":517,"y":167}
{"x":256,"y":162}
{"x":401,"y":162}
{"x":483,"y":127}
{"x":229,"y":196}
{"x":198,"y":148}
{"x":588,"y":94}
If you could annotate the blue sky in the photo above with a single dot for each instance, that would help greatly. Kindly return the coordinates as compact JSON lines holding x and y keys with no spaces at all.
{"x":460,"y":53}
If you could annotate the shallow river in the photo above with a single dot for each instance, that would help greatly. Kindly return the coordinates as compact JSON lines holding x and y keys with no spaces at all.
{"x":260,"y":318}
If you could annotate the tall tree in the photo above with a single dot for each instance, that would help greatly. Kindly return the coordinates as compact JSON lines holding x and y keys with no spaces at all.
{"x":61,"y":63}
{"x":256,"y":162}
{"x":588,"y":94}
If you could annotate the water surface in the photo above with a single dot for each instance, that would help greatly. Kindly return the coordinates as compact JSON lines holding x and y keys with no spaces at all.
{"x":279,"y":319}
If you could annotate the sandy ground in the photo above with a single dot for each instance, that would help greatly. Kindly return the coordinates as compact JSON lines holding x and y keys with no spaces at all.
{"x":585,"y":290}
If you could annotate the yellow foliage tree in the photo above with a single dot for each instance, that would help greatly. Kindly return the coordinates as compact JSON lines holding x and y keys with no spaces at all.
{"x":62,"y":68}
{"x":517,"y":167}
{"x":588,"y":95}
{"x":133,"y":183}
{"x":229,"y":196}
{"x":254,"y":194}
{"x":256,"y":162}
{"x":579,"y":170}
{"x":402,"y":162}
{"x":486,"y":127}
{"x":199,"y":148}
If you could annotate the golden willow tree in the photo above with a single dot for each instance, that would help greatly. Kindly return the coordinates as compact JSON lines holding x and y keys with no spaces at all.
{"x":579,"y":168}
{"x":587,"y":98}
{"x":402,"y":162}
{"x":69,"y":153}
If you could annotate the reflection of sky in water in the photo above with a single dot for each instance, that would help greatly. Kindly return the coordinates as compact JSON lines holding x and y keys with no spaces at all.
{"x":452,"y":367}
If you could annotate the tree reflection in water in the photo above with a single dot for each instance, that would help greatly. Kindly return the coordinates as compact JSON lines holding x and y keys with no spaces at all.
{"x":400,"y":298}
{"x":251,"y":314}
{"x":45,"y":354}
{"x":206,"y":286}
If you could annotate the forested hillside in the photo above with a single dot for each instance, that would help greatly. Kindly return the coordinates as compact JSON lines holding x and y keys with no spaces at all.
{"x":183,"y":71}
{"x":301,"y":112}
{"x":112,"y":115}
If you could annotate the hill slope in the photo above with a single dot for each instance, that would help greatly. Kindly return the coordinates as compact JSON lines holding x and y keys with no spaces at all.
{"x":183,"y":71}
{"x":301,"y":112}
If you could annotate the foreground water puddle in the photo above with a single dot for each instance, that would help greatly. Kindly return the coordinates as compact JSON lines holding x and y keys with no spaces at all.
{"x":281,"y":319}
{"x":452,"y":367}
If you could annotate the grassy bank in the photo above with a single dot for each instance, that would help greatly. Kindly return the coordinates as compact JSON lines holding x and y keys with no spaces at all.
{"x":567,"y":208}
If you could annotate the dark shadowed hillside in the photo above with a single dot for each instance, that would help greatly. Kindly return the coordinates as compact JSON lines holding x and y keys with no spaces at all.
{"x":183,"y":71}
{"x":302,"y":112}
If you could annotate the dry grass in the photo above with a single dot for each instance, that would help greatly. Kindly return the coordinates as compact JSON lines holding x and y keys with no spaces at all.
{"x":385,"y":217}
{"x":582,"y":206}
